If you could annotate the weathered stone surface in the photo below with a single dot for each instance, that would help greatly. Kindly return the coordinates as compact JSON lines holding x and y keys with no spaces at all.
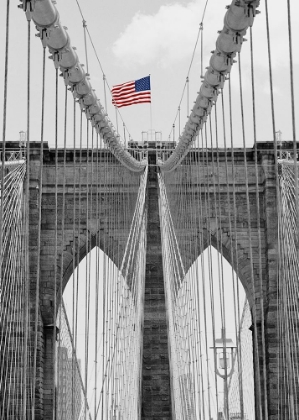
{"x":97,"y":197}
{"x":209,"y":191}
{"x":100,"y":198}
{"x":156,"y":398}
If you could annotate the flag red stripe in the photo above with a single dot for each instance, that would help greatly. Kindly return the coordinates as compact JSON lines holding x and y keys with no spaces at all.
{"x":132,"y":102}
{"x":136,"y":97}
{"x":124,"y":85}
{"x":130,"y":95}
{"x":129,"y":86}
{"x":127,"y":92}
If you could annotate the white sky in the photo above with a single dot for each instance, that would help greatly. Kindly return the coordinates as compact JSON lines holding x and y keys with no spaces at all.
{"x":137,"y":38}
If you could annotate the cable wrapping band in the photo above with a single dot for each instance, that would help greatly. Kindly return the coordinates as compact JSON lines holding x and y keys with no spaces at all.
{"x":239,"y":16}
{"x":54,"y":36}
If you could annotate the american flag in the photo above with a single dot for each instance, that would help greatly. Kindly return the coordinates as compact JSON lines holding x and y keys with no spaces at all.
{"x":134,"y":92}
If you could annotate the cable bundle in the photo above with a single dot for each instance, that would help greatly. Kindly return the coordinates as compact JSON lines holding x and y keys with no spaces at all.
{"x":14,"y":330}
{"x":204,"y":295}
{"x":288,"y":291}
{"x":100,"y":322}
{"x":54,"y":35}
{"x":238,"y":18}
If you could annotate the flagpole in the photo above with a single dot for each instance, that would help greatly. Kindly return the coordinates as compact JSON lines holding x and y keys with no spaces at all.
{"x":151,"y":115}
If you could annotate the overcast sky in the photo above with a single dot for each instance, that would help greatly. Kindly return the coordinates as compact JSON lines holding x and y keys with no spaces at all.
{"x":138,"y":38}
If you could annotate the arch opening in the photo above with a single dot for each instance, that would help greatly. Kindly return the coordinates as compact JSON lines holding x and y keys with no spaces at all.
{"x":211,"y":343}
{"x":98,"y":347}
{"x":88,"y":243}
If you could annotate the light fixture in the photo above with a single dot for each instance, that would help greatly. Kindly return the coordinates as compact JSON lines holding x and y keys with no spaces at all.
{"x":224,"y":355}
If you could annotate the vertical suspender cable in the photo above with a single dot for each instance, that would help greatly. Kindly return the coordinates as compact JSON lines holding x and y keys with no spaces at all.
{"x":90,"y":216}
{"x":87,"y":248}
{"x":235,"y":248}
{"x":187,"y":83}
{"x":194,"y":304}
{"x":27,"y":197}
{"x":97,"y":273}
{"x":87,"y":270}
{"x":104,"y":302}
{"x":201,"y":247}
{"x":116,"y":119}
{"x":259,"y":228}
{"x":201,"y":49}
{"x":228,"y":197}
{"x":3,"y":144}
{"x":79,"y":229}
{"x":62,"y":235}
{"x":4,"y":128}
{"x":56,"y":242}
{"x":179,"y":112}
{"x":278,"y":201}
{"x":219,"y":238}
{"x":257,"y":352}
{"x":293,"y":121}
{"x":74,"y":250}
{"x":271,"y":95}
{"x":208,"y":213}
{"x":85,"y":45}
{"x":211,"y":277}
{"x":108,"y":305}
{"x":105,"y":95}
{"x":125,"y":141}
{"x":39,"y":203}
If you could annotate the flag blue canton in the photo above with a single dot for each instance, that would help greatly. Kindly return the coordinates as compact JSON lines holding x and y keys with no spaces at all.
{"x":143,"y":84}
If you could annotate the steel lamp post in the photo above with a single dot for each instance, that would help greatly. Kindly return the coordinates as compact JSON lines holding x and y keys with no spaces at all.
{"x":224,"y":366}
